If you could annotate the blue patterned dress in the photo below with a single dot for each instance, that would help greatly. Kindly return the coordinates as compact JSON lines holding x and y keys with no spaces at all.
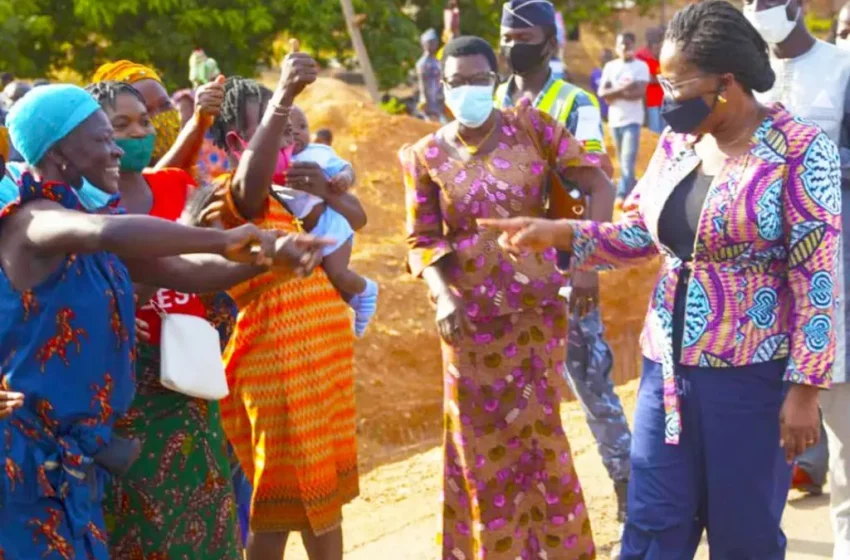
{"x":67,"y":346}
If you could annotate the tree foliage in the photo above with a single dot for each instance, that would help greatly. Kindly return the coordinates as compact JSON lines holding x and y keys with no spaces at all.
{"x":41,"y":37}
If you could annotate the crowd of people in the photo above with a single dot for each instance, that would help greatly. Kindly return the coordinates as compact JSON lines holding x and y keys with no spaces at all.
{"x":123,"y":208}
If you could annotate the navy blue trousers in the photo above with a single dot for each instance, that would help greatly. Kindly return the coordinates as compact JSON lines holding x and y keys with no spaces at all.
{"x":727,"y":476}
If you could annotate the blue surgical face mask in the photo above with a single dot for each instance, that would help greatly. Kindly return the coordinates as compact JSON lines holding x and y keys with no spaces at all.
{"x":92,"y":198}
{"x":471,"y":105}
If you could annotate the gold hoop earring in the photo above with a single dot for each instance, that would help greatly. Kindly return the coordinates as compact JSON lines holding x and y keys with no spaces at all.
{"x":721,"y":99}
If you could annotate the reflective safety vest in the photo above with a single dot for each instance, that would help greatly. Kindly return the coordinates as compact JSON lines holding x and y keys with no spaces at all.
{"x":557,"y":101}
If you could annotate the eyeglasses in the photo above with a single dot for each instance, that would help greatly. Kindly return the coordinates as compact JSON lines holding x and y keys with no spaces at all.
{"x":674,"y":90}
{"x":485,"y":79}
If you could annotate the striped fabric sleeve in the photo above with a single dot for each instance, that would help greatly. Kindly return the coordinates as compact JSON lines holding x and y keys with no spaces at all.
{"x":584,"y":122}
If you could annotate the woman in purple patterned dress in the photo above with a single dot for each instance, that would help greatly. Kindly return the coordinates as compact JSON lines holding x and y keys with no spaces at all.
{"x":743,"y":202}
{"x":510,"y":489}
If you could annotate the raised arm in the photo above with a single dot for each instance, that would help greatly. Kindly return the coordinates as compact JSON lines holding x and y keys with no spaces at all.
{"x":253,"y":177}
{"x":184,"y":153}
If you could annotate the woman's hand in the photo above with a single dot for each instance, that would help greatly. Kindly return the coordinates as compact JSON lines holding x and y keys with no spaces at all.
{"x":9,"y":402}
{"x":143,"y":331}
{"x":298,"y":70}
{"x":300,"y":253}
{"x":452,"y":322}
{"x":250,"y":245}
{"x":209,"y":97}
{"x":339,"y":185}
{"x":520,"y":235}
{"x":307,"y":176}
{"x":584,"y":296}
{"x":799,"y":420}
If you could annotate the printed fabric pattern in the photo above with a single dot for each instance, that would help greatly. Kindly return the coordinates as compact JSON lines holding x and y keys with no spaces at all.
{"x":67,"y":345}
{"x":763,"y":280}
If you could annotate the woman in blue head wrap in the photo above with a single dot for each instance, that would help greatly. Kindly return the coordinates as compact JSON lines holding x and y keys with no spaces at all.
{"x":67,"y":335}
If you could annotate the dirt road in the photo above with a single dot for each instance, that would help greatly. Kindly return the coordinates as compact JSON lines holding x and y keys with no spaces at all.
{"x":397,"y":515}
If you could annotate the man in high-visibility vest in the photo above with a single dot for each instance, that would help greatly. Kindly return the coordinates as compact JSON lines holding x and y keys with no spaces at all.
{"x":528,"y":41}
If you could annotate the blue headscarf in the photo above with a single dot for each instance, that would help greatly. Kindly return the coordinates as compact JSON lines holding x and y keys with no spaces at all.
{"x":38,"y":121}
{"x":522,"y":14}
{"x":45,"y":116}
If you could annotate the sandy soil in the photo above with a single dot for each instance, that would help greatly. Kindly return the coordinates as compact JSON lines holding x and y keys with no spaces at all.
{"x":399,"y":389}
{"x":397,"y":515}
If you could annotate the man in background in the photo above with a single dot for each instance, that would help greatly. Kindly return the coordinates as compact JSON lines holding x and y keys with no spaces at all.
{"x":624,"y":82}
{"x":430,"y":73}
{"x":654,"y":94}
{"x":528,"y":42}
{"x":812,"y":80}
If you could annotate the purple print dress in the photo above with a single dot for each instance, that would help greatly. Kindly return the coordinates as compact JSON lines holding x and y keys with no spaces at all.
{"x":510,"y":488}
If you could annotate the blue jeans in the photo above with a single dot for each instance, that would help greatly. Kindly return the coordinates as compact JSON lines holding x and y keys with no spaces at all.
{"x":654,"y":121}
{"x":627,"y":141}
{"x":727,"y":475}
{"x":589,"y":364}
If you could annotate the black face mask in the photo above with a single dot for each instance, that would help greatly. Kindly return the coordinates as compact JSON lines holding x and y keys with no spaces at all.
{"x":524,"y":58}
{"x":685,"y":116}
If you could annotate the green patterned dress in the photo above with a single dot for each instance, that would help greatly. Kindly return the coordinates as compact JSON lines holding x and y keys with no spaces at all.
{"x":177,"y":501}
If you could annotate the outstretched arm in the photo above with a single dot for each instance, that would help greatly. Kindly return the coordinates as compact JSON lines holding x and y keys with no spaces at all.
{"x":291,"y":256}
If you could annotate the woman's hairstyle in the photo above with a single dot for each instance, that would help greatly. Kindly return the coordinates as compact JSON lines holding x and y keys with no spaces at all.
{"x":716,"y":37}
{"x":238,"y":92}
{"x":471,"y":46}
{"x":106,"y":93}
{"x":199,"y":199}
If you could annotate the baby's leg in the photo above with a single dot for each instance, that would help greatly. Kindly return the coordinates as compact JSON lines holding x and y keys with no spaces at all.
{"x":347,"y":282}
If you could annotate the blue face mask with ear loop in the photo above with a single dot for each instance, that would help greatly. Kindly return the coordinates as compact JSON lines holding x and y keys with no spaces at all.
{"x":92,"y":198}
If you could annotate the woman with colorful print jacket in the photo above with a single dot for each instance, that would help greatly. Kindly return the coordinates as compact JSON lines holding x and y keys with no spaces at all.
{"x":743,"y":202}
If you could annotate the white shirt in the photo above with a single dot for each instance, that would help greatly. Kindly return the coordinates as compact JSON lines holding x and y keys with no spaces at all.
{"x":619,"y":73}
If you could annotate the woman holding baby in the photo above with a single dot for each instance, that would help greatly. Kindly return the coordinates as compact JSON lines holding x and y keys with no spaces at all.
{"x":290,"y":415}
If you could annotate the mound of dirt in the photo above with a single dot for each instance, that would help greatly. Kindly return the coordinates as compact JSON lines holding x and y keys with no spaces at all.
{"x":398,"y":365}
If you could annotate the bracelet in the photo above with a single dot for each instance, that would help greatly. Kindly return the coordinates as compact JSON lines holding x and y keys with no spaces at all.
{"x":280,"y":110}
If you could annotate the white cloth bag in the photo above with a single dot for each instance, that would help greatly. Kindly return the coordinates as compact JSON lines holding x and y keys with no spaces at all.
{"x":190,"y":357}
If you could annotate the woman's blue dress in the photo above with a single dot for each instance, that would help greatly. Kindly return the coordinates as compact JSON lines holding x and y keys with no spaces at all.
{"x":67,"y":346}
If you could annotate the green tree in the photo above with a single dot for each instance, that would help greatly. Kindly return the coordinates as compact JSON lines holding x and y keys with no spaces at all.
{"x":38,"y":37}
{"x":482,"y":17}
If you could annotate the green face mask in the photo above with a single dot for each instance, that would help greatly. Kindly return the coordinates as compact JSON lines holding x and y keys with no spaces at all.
{"x":137,"y":152}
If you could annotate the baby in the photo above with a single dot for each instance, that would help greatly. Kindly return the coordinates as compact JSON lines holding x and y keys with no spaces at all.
{"x":321,"y":220}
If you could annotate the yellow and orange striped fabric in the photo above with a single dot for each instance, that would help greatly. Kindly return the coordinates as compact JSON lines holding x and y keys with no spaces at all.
{"x":290,"y":415}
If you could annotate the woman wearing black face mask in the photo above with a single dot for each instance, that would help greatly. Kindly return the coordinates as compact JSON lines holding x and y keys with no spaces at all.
{"x":743,"y":202}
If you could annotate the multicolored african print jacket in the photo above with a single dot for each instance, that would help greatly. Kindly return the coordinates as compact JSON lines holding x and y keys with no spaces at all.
{"x":763,"y":276}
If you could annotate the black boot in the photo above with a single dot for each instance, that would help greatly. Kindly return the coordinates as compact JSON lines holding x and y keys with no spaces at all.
{"x":621,"y":490}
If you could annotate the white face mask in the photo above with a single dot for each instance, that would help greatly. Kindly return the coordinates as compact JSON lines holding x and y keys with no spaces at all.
{"x":471,"y":105}
{"x":843,"y":43}
{"x":773,"y":23}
